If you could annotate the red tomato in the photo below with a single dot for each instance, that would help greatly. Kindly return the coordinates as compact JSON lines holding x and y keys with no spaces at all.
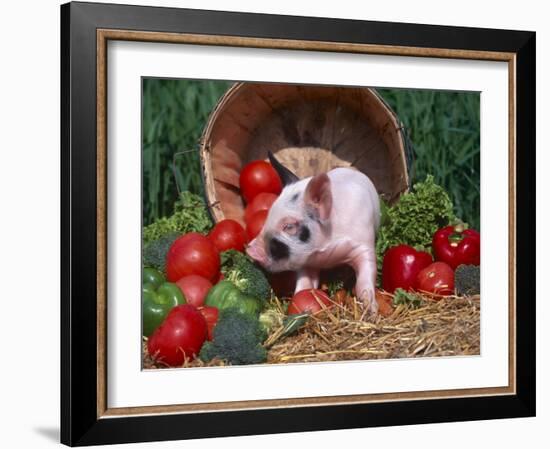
{"x":210,"y":314}
{"x":180,"y":336}
{"x":228,"y":234}
{"x":262,"y":201}
{"x":310,"y":300}
{"x":192,"y":254}
{"x":257,"y":177}
{"x":256,"y":223}
{"x":194,"y":288}
{"x":401,"y":265}
{"x":438,"y":278}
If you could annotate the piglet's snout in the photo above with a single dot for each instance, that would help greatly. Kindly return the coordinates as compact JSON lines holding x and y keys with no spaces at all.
{"x":256,"y":250}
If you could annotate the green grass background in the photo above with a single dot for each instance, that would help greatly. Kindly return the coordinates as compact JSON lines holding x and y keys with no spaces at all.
{"x":443,"y":127}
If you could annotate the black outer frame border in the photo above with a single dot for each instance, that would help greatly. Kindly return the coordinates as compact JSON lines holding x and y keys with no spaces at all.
{"x":79,"y":422}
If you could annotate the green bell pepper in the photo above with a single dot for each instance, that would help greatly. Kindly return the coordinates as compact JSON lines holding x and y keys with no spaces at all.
{"x":152,"y":277}
{"x":225,"y":295}
{"x":157,"y":302}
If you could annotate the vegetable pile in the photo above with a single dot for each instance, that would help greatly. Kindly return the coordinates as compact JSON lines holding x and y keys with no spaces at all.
{"x":205,"y":302}
{"x":421,"y":244}
{"x":415,"y":218}
{"x":202,"y":297}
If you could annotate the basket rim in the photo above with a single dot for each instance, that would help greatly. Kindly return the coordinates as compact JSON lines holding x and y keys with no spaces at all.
{"x":235,"y":89}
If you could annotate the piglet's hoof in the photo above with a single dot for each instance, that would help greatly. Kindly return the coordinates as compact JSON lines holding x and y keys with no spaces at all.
{"x":369,"y":301}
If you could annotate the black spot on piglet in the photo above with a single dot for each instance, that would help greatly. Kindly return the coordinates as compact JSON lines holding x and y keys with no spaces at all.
{"x":305,"y":234}
{"x":278,"y":250}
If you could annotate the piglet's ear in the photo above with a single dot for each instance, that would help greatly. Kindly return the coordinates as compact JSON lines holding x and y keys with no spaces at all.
{"x":318,"y":197}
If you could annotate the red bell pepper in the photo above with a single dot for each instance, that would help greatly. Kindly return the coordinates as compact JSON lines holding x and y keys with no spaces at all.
{"x":456,"y":245}
{"x":401,"y":266}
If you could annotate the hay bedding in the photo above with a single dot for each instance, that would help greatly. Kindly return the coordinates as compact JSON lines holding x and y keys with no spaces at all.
{"x":448,"y":327}
{"x":438,"y":328}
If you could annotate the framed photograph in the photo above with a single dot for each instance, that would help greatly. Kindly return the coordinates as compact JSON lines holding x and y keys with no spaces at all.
{"x":282,"y":224}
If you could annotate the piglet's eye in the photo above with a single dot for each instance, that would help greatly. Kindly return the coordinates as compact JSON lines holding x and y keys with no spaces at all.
{"x":290,"y":228}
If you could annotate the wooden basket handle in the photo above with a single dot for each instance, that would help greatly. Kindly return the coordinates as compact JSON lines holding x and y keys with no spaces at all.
{"x":409,"y":151}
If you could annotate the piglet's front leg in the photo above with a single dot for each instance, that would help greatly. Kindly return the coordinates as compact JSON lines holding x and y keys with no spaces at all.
{"x":307,"y":278}
{"x":365,"y":271}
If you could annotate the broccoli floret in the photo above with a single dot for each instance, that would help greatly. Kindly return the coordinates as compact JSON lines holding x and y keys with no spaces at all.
{"x":154,"y":253}
{"x":190,"y":215}
{"x":467,"y":280}
{"x":241,"y":271}
{"x":237,"y":339}
{"x":271,"y":319}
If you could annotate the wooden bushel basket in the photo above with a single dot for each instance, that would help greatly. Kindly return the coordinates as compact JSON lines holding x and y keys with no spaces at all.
{"x":310,"y":129}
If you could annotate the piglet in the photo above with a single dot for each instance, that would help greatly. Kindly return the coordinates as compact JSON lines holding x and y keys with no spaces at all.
{"x":320,"y":222}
